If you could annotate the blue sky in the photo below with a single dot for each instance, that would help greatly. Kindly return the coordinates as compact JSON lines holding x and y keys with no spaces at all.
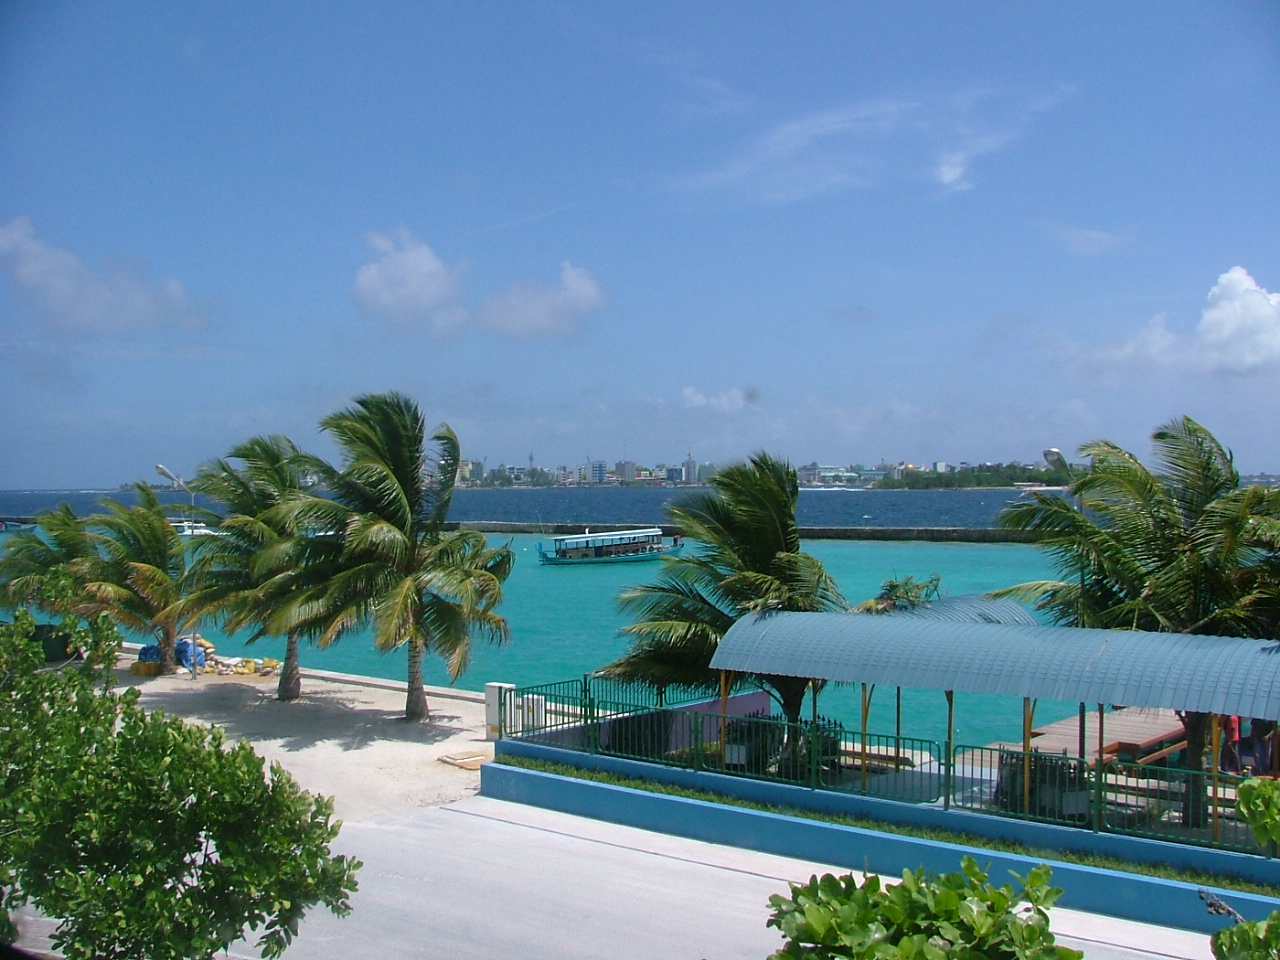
{"x":839,"y":232}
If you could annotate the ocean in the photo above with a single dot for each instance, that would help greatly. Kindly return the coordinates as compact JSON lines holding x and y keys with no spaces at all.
{"x":564,"y":621}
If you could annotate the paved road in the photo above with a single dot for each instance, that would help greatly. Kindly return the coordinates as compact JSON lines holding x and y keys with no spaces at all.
{"x":483,"y":878}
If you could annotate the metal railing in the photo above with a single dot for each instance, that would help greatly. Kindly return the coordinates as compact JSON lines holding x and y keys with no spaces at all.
{"x":689,"y":731}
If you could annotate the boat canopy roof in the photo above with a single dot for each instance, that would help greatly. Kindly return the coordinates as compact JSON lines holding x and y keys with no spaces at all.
{"x":608,"y":536}
{"x":1178,"y":671}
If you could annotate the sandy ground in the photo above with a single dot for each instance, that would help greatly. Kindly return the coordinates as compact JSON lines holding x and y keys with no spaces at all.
{"x":345,"y":740}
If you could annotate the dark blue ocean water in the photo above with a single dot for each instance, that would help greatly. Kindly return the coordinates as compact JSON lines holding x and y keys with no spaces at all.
{"x":817,"y":508}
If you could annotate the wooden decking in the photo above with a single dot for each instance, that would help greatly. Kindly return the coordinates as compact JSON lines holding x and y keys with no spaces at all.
{"x":1140,"y":734}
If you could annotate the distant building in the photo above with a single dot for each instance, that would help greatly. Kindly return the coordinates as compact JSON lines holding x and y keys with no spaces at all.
{"x":625,"y":470}
{"x":597,"y":471}
{"x":674,"y":475}
{"x":689,"y":470}
{"x":706,"y":471}
{"x":941,"y":466}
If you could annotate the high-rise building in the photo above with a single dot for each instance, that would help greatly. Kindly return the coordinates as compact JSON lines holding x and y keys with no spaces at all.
{"x":597,"y":471}
{"x":689,"y":470}
{"x":625,"y":470}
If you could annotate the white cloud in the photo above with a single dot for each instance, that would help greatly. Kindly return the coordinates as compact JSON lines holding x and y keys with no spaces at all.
{"x":63,"y":292}
{"x":863,"y":144}
{"x":1238,"y":332}
{"x":1084,"y":242}
{"x":409,"y":284}
{"x":730,"y":401}
{"x":531,"y":310}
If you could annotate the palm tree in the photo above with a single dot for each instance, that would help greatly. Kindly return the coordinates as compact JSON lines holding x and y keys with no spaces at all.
{"x":59,"y":541}
{"x":139,"y":580}
{"x":251,"y":568}
{"x":1183,"y":549}
{"x":418,"y":585}
{"x":749,"y":562}
{"x":126,"y":562}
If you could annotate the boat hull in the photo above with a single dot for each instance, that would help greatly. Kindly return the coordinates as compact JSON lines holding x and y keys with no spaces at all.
{"x":554,"y":561}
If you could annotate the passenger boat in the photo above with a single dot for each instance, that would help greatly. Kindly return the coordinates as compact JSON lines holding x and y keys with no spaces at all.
{"x":615,"y":546}
{"x":192,"y":528}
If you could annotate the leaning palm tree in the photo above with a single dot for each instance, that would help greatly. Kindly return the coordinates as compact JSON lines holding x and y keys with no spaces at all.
{"x":1182,"y":549}
{"x":749,"y":562}
{"x":59,"y":541}
{"x":418,"y":585}
{"x":139,"y":582}
{"x":250,"y":569}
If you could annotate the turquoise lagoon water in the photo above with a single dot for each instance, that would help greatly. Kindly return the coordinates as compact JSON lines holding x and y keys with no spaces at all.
{"x":564,"y":623}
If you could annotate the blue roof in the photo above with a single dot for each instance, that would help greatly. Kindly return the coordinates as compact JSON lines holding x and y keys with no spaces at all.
{"x":971,"y":608}
{"x":1225,"y":675}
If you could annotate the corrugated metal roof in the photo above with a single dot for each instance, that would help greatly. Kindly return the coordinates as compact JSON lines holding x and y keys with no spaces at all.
{"x":971,"y":608}
{"x":1226,"y":675}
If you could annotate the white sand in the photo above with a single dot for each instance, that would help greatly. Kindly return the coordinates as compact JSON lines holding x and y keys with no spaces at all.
{"x":347,"y":740}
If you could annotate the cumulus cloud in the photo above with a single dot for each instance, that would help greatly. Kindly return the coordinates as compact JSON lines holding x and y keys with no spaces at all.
{"x":1238,"y":332}
{"x":730,"y":401}
{"x":66,"y":294}
{"x":532,"y":310}
{"x":409,"y":284}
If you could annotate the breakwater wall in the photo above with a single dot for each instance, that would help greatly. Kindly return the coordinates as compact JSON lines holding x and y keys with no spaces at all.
{"x":932,"y":534}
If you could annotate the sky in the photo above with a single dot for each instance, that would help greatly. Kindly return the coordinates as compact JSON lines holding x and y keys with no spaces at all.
{"x":841,"y":232}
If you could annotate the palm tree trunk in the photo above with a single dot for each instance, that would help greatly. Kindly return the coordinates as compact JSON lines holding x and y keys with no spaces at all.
{"x":290,"y":687}
{"x":168,"y":662}
{"x":791,"y":697}
{"x":1195,"y":801}
{"x":415,"y":705}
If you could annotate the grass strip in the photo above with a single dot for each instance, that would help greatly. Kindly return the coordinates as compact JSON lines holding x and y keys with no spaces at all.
{"x":936,"y":834}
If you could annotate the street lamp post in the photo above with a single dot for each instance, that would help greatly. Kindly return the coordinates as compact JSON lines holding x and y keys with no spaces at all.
{"x":177,"y":482}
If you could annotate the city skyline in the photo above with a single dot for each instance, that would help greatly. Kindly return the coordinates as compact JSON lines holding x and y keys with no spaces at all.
{"x":833,"y":232}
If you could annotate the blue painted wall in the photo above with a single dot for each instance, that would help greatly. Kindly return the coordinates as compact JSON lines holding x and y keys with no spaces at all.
{"x":1147,"y":899}
{"x":1043,"y":835}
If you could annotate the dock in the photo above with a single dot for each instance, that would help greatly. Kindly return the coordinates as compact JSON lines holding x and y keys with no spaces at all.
{"x":1134,"y":734}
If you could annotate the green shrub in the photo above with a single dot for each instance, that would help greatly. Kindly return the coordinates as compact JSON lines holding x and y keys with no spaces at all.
{"x":147,"y":836}
{"x":1258,"y":805}
{"x":955,"y":915}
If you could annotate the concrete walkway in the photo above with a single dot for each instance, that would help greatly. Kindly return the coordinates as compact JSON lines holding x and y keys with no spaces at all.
{"x":482,"y":878}
{"x":450,"y":874}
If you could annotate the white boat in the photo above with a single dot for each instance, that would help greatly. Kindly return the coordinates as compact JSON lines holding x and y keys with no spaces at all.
{"x":192,"y":528}
{"x":614,"y":546}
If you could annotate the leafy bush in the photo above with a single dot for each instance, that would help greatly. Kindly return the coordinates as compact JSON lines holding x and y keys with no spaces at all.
{"x":1258,"y":805}
{"x":955,"y":915}
{"x":145,"y":835}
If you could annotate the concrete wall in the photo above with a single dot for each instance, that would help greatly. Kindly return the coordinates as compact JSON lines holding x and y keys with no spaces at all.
{"x":1103,"y":891}
{"x":935,"y":534}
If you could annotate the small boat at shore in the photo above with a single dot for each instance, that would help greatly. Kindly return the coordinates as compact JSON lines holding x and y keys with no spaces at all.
{"x":614,"y":546}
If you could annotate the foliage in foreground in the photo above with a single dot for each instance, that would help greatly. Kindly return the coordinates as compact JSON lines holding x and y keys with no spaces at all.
{"x":953,"y":915}
{"x":1257,"y":804}
{"x":147,"y":836}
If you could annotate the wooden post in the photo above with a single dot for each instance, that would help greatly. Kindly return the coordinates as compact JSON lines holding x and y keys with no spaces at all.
{"x":1215,"y":734}
{"x":949,"y":759}
{"x":1100,"y":814}
{"x":897,"y":732}
{"x":1026,"y":755}
{"x":724,"y":708}
{"x":815,"y":737}
{"x":866,"y":709}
